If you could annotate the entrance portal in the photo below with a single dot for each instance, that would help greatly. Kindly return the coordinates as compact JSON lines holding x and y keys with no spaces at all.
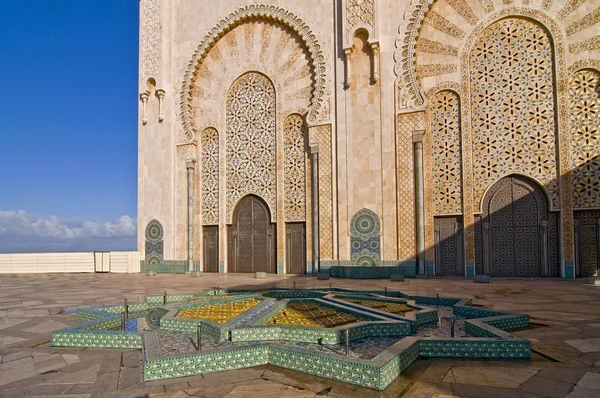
{"x":515,"y":229}
{"x":251,"y":238}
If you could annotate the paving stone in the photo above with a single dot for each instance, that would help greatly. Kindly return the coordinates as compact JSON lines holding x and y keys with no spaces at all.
{"x":478,"y":391}
{"x":71,"y":359}
{"x":568,"y":375}
{"x":507,"y":377}
{"x":15,"y":356}
{"x":131,"y":359}
{"x":590,"y":380}
{"x":546,"y":387}
{"x":129,"y":377}
{"x":583,"y":392}
{"x":469,"y":375}
{"x":107,"y":383}
{"x":88,"y":375}
{"x":271,"y":390}
{"x":585,"y":345}
{"x":421,"y":389}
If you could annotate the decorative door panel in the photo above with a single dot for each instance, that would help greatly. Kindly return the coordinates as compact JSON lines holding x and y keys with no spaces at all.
{"x":252,"y":246}
{"x":448,"y":246}
{"x":296,"y":248}
{"x":517,"y":230}
{"x":587,"y":236}
{"x":211,"y":248}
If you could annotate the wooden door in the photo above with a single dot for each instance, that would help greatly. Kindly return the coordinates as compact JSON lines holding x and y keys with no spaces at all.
{"x":211,"y":248}
{"x":448,"y":246}
{"x":295,"y":247}
{"x":252,"y":238}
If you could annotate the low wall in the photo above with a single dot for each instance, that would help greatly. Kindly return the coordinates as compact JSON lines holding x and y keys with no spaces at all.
{"x":32,"y":263}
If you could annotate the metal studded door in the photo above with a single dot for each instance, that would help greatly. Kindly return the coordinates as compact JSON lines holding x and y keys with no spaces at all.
{"x":295,"y":246}
{"x":587,"y":242}
{"x":515,"y":225}
{"x":210,"y":239}
{"x":251,"y":242}
{"x":448,"y":246}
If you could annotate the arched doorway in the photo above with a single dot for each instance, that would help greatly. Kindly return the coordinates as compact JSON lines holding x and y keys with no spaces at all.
{"x":251,"y":237}
{"x":515,"y":229}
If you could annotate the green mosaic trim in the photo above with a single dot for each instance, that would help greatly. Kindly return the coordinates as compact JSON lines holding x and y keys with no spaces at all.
{"x":168,"y":266}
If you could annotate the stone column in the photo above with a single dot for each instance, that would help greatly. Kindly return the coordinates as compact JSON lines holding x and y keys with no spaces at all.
{"x":419,"y":201}
{"x":348,"y":54}
{"x":314,"y":153}
{"x":190,"y":165}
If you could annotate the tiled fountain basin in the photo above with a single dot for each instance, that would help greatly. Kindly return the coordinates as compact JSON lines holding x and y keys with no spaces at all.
{"x":318,"y":351}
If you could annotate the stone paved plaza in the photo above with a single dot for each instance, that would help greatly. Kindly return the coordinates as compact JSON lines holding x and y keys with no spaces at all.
{"x":565,"y":339}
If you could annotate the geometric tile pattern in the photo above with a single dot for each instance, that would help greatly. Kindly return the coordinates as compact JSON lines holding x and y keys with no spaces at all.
{"x":359,"y":12}
{"x":154,"y":243}
{"x":365,"y":246}
{"x":210,"y":176}
{"x":322,"y":135}
{"x":446,"y":153}
{"x":295,"y":170}
{"x":150,"y":40}
{"x":512,"y":89}
{"x":584,"y":117}
{"x":250,"y":153}
{"x":407,"y":125}
{"x":240,"y":344}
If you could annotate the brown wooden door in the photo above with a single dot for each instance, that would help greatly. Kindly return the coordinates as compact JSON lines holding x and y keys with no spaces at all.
{"x":295,"y":234}
{"x":448,"y":246}
{"x":211,"y":248}
{"x":252,"y":238}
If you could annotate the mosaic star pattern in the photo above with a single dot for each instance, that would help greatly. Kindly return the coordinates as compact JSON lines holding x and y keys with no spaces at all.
{"x":584,"y":116}
{"x":295,"y":169}
{"x":219,"y":313}
{"x":365,"y":240}
{"x":513,"y":106}
{"x":446,"y":153}
{"x":154,"y":242}
{"x":251,"y":156}
{"x":210,"y":176}
{"x":311,"y":314}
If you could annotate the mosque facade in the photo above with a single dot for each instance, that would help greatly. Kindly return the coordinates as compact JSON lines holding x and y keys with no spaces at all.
{"x":443,"y":137}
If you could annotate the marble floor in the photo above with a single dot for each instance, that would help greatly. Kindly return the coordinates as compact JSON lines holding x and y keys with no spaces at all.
{"x":565,"y":337}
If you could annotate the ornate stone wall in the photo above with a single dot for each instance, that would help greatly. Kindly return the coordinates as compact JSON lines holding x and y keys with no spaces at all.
{"x":444,"y":125}
{"x":250,"y":134}
{"x":584,"y":108}
{"x":512,"y":105}
{"x":294,"y":168}
{"x":209,"y":177}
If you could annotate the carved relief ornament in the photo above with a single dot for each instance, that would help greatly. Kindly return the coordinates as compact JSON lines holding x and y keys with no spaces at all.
{"x":253,"y":12}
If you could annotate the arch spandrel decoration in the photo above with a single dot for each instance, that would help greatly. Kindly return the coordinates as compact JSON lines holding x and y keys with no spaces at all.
{"x":247,"y":13}
{"x":250,"y":136}
{"x":365,"y":239}
{"x":154,"y":242}
{"x":445,"y":36}
{"x":584,"y":104}
{"x":513,"y":105}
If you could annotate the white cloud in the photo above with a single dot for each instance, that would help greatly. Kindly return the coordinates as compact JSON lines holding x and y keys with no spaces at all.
{"x":20,"y":231}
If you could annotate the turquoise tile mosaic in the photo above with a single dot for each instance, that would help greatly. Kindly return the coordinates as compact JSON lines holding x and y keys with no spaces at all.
{"x":170,"y":348}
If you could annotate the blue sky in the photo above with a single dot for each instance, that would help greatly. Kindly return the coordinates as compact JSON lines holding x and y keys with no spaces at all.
{"x":68,"y":124}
